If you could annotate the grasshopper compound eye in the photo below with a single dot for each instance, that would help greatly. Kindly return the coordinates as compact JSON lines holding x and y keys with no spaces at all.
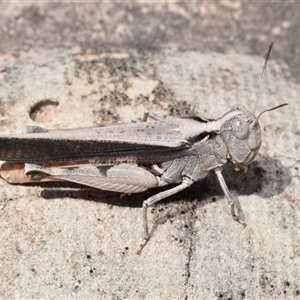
{"x":240,"y":129}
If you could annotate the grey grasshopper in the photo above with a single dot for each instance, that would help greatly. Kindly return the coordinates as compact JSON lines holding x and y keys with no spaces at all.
{"x":132,"y":158}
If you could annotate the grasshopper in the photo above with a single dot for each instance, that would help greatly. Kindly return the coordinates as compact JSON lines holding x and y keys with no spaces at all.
{"x":132,"y":158}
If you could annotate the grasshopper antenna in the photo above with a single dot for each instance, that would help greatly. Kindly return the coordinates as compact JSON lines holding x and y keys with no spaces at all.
{"x":262,"y":80}
{"x":284,"y":104}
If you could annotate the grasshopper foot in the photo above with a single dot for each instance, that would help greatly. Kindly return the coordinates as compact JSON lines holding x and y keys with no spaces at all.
{"x":141,"y":247}
{"x":236,"y":218}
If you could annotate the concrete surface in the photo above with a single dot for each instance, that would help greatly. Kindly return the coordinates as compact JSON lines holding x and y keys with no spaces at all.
{"x":106,"y":62}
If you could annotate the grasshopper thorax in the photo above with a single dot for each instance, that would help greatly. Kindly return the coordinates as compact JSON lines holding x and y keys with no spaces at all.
{"x":241,"y":134}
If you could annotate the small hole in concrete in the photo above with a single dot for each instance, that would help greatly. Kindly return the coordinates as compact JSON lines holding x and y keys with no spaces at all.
{"x":43,"y":111}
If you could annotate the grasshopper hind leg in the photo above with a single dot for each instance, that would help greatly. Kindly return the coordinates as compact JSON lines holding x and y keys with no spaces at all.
{"x":152,"y":200}
{"x":122,"y":178}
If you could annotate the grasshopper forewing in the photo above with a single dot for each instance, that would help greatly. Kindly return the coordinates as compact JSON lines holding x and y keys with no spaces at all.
{"x":146,"y":142}
{"x":131,"y":158}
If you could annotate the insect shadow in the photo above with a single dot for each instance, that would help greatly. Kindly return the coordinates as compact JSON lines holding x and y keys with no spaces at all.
{"x":266,"y":177}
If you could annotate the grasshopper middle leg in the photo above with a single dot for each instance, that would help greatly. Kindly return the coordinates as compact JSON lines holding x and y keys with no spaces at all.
{"x":150,"y":115}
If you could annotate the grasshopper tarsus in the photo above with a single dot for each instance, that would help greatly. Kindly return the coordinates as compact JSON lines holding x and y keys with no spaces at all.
{"x":235,"y":217}
{"x":141,"y":247}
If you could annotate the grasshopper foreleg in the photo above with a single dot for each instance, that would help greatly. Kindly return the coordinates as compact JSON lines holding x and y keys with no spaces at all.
{"x":152,"y":200}
{"x":228,"y":196}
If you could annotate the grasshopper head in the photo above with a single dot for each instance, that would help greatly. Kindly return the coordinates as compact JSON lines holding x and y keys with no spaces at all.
{"x":241,"y":134}
{"x":240,"y":129}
